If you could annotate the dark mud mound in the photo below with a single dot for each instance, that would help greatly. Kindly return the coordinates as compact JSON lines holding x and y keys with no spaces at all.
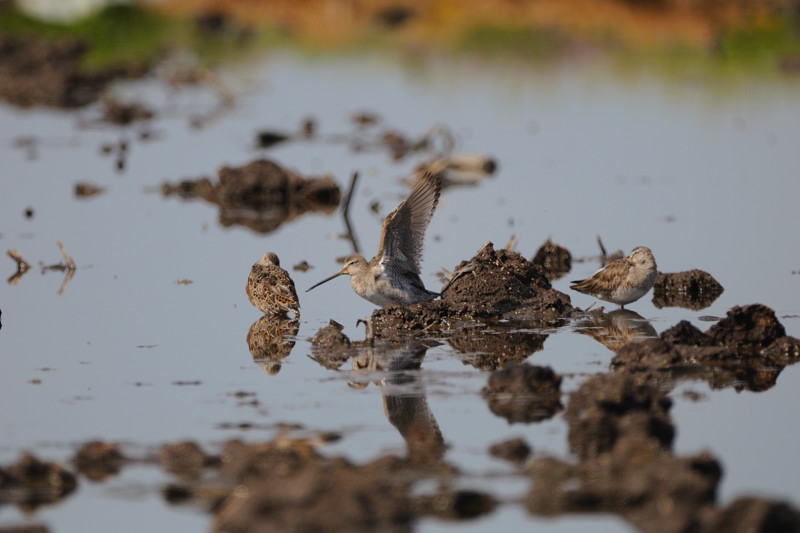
{"x":747,"y":349}
{"x":261,"y":195}
{"x":694,"y":289}
{"x":494,"y":284}
{"x":748,"y":329}
{"x":31,"y":482}
{"x":609,"y":408}
{"x":513,"y":450}
{"x":554,"y":260}
{"x":98,"y":460}
{"x":35,"y":72}
{"x":524,"y":393}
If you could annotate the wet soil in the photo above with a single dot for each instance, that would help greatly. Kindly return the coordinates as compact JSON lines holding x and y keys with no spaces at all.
{"x":35,"y":72}
{"x":260,"y":195}
{"x":494,"y":284}
{"x":746,"y":349}
{"x":694,"y":289}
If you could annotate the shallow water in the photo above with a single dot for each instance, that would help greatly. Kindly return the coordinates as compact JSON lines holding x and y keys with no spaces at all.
{"x":702,"y":172}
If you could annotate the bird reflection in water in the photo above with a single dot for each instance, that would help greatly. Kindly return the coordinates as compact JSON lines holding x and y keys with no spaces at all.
{"x":617,"y":328}
{"x":270,"y":339}
{"x":394,"y":367}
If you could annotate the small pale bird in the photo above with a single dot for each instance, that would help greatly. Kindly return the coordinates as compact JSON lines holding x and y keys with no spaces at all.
{"x":623,"y":281}
{"x":270,"y":288}
{"x":392,"y":276}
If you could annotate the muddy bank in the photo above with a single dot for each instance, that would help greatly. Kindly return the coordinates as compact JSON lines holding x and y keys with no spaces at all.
{"x":35,"y":72}
{"x":260,"y":195}
{"x":746,"y":349}
{"x":492,"y":285}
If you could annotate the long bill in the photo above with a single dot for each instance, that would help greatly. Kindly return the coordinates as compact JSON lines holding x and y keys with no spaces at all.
{"x":326,"y":280}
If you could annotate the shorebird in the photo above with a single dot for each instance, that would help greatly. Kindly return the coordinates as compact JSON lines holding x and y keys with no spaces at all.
{"x":392,"y":276}
{"x":623,"y":281}
{"x":270,"y":288}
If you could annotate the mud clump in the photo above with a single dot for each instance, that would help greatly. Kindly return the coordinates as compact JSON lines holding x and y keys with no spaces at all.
{"x":125,"y":113}
{"x":98,"y":460}
{"x":693,"y":289}
{"x":494,"y":284}
{"x":260,"y":195}
{"x":36,"y":72}
{"x":553,"y":259}
{"x":184,"y":459}
{"x":330,"y":347}
{"x":31,"y":482}
{"x":456,"y":504}
{"x":749,"y":514}
{"x":748,"y":329}
{"x":512,"y":450}
{"x":611,"y":408}
{"x":746,"y":349}
{"x":524,"y":393}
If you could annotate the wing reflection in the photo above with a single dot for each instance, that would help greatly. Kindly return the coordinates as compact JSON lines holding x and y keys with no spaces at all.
{"x":394,"y":366}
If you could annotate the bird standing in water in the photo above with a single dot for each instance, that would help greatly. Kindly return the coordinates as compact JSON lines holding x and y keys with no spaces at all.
{"x":622,"y":281}
{"x":392,"y":276}
{"x":270,"y":288}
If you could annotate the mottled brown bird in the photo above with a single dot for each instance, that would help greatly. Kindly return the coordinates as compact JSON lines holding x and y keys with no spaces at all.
{"x":623,"y":281}
{"x":270,"y":288}
{"x":392,"y":276}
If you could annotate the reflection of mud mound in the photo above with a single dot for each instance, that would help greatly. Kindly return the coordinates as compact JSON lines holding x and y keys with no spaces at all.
{"x":617,"y":328}
{"x":31,"y":482}
{"x":553,"y":259}
{"x":694,"y":289}
{"x":270,"y":339}
{"x":261,"y":195}
{"x":490,"y":349}
{"x":747,"y":349}
{"x":524,"y":393}
{"x":330,"y":347}
{"x":34,"y":72}
{"x":493,"y":284}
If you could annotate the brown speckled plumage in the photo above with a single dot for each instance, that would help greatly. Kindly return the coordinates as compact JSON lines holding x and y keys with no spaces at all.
{"x":270,"y":288}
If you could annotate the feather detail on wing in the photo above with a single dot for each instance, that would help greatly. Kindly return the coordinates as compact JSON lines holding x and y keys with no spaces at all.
{"x":606,"y":279}
{"x":403,"y":230}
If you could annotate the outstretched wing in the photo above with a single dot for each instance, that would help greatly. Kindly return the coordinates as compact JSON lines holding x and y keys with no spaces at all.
{"x":403,"y":230}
